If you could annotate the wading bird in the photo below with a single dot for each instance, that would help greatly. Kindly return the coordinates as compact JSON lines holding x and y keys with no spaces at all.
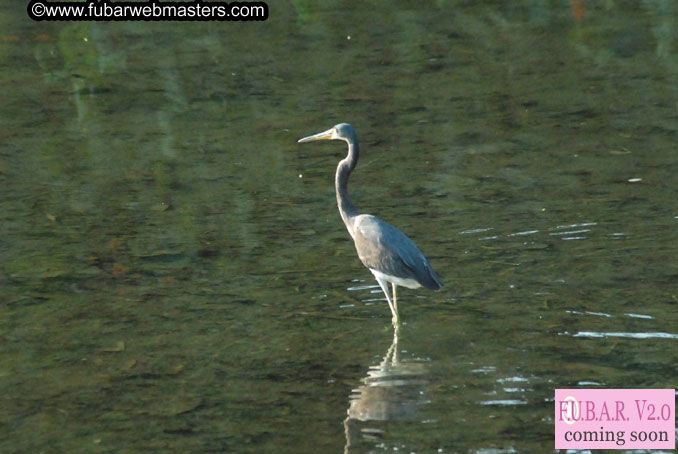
{"x":384,"y":250}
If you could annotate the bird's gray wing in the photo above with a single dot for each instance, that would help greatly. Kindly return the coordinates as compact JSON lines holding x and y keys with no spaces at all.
{"x":384,"y":248}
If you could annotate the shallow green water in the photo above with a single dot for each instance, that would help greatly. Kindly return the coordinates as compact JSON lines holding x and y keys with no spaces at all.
{"x":174,"y":275}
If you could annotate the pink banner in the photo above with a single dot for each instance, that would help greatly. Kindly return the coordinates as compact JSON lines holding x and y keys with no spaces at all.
{"x":615,"y":418}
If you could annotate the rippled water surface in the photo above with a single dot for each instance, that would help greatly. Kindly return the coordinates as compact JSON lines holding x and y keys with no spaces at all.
{"x":175,"y":277}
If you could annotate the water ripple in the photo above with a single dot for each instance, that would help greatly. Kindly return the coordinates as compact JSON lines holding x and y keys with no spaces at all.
{"x":598,"y":314}
{"x":361,"y":287}
{"x":503,"y":402}
{"x":466,"y":232}
{"x":527,"y":232}
{"x":650,"y":335}
{"x":570,"y":226}
{"x":649,"y":317}
{"x":570,"y":232}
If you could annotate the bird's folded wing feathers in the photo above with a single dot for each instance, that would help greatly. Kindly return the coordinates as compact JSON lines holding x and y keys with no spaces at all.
{"x":382,"y":247}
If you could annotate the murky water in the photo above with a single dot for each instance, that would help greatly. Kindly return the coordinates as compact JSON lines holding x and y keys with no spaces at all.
{"x":175,"y":276}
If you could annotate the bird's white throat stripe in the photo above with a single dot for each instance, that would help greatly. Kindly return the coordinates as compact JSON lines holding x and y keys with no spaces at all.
{"x":409,"y":283}
{"x":350,"y":231}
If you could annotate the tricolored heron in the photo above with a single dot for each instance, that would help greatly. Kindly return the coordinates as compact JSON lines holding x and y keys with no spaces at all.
{"x":387,"y":252}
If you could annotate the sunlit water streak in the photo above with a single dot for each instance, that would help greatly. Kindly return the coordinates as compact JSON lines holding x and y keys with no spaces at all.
{"x":501,"y":402}
{"x":496,"y":451}
{"x":563,"y":230}
{"x":598,"y":314}
{"x":571,"y":226}
{"x":527,"y":232}
{"x":479,"y":230}
{"x":512,"y":380}
{"x":484,"y":370}
{"x":361,"y":287}
{"x":647,"y":317}
{"x":648,"y":335}
{"x":588,"y":383}
{"x":570,"y":232}
{"x":603,"y":314}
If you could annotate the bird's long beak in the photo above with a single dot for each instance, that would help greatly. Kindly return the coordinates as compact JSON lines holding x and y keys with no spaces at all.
{"x":327,"y":135}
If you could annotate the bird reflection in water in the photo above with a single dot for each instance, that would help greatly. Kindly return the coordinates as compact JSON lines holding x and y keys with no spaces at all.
{"x":392,"y":390}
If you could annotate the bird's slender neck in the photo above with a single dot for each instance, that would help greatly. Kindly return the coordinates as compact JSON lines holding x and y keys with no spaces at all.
{"x":347,"y":210}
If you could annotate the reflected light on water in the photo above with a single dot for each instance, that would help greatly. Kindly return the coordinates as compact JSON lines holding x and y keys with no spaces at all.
{"x":593,"y":334}
{"x":503,"y":402}
{"x":565,"y":231}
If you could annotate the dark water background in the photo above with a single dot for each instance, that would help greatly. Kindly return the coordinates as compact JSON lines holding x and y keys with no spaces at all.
{"x":174,"y":275}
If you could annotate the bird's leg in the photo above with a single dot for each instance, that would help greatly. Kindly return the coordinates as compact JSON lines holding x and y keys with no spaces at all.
{"x":394,"y":311}
{"x":395,"y":298}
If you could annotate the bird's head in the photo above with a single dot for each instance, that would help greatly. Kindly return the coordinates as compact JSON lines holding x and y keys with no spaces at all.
{"x":342,"y":131}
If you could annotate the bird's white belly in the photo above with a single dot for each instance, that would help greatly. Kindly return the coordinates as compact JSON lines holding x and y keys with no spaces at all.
{"x":409,"y":283}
